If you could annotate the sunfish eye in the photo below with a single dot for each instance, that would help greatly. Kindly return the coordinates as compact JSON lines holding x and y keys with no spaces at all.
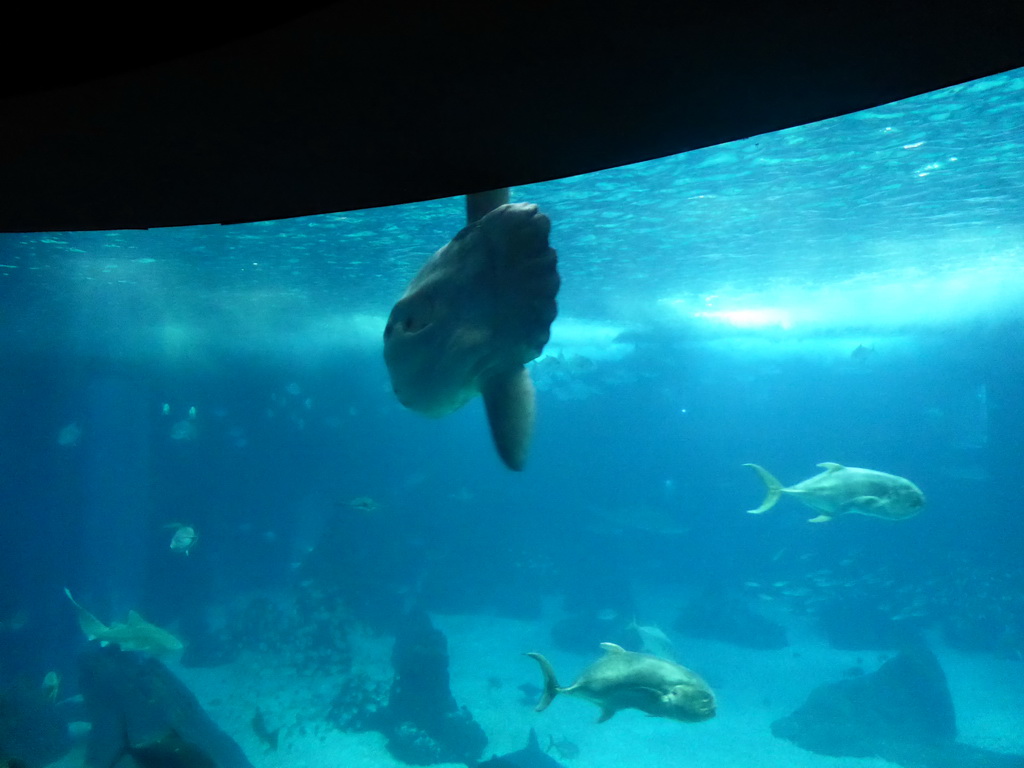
{"x":410,"y":317}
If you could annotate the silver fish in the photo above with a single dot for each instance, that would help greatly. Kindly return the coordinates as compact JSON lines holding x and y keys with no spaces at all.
{"x":843,"y":490}
{"x":623,"y":679}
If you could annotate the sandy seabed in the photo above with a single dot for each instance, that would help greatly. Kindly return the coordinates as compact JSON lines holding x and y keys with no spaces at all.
{"x":753,"y":688}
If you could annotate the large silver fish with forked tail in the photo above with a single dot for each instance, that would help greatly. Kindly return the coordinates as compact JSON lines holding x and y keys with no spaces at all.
{"x":477,"y":311}
{"x":843,"y":490}
{"x":622,"y":679}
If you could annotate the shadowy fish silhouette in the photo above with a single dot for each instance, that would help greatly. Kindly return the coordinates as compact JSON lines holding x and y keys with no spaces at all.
{"x":531,"y":756}
{"x":477,"y":311}
{"x":168,"y":751}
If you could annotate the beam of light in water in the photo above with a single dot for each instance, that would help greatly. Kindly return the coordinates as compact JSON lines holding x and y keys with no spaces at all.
{"x":990,"y":291}
{"x":751,"y":318}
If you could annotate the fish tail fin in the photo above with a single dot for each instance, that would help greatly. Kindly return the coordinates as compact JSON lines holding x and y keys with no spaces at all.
{"x":91,"y":626}
{"x":550,"y":683}
{"x":774,"y":489}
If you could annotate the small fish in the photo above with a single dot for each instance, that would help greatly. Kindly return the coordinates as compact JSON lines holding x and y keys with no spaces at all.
{"x":15,"y":622}
{"x":136,"y":634}
{"x":530,"y":693}
{"x":69,"y":436}
{"x":653,"y":640}
{"x":184,"y":538}
{"x":184,"y":430}
{"x":842,"y":490}
{"x":622,"y":679}
{"x":364,"y":504}
{"x":862,"y":353}
{"x":564,"y":748}
{"x":51,"y":685}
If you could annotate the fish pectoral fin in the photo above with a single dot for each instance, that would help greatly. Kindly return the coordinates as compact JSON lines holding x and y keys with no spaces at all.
{"x":820,"y":519}
{"x":606,"y":714}
{"x":864,"y":504}
{"x":867,"y":501}
{"x":831,"y":466}
{"x":511,"y":406}
{"x":654,"y":693}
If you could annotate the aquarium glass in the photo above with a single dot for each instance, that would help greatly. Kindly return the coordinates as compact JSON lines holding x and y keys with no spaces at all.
{"x":197,"y":425}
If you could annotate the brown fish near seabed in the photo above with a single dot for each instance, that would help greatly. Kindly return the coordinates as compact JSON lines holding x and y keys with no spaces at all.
{"x":477,"y":311}
{"x":623,"y":679}
{"x":843,"y":490}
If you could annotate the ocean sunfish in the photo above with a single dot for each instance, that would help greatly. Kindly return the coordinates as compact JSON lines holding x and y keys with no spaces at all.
{"x":477,"y":311}
{"x":623,"y":679}
{"x":843,"y":490}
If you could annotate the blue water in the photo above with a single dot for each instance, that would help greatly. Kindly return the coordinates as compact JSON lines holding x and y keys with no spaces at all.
{"x":847,"y":291}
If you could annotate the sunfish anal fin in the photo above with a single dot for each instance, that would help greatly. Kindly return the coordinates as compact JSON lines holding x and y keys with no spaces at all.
{"x":511,"y":409}
{"x":606,"y":714}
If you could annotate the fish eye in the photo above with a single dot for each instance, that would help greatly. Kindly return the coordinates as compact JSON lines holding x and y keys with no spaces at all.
{"x":412,"y":324}
{"x":410,"y":316}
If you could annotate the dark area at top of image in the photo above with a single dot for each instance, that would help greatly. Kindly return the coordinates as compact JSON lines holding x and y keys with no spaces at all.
{"x":202,"y":117}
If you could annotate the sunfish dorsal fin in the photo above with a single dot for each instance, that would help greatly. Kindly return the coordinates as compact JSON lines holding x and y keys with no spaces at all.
{"x":831,"y":466}
{"x":612,"y":648}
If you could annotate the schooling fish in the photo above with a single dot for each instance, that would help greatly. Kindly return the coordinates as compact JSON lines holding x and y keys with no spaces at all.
{"x":843,"y":490}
